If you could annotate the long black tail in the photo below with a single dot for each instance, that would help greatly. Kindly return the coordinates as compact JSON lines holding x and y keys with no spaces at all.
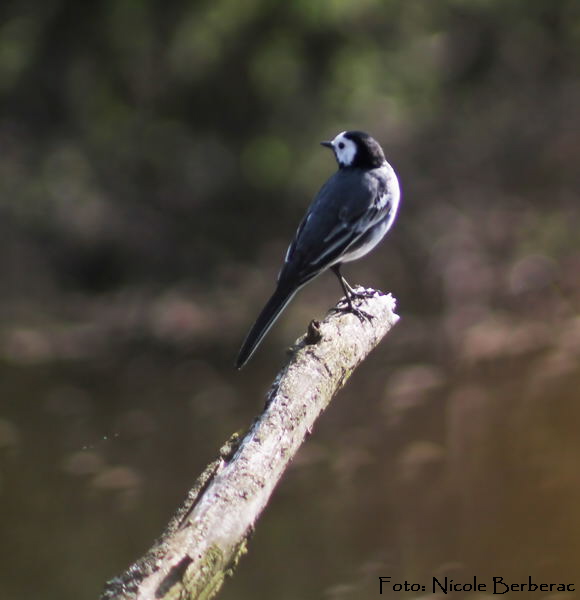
{"x":269,"y":314}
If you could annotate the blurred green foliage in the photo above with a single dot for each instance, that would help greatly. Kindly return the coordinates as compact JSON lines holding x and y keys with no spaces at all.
{"x":155,"y":159}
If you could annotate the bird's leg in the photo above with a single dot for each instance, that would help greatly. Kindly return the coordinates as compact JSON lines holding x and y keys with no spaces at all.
{"x":357,"y":293}
{"x":350,"y":293}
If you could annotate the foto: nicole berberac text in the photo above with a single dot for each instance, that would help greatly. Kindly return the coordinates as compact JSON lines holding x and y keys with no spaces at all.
{"x":497,"y":585}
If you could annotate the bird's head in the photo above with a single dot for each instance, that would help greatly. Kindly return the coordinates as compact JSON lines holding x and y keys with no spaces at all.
{"x":356,"y":149}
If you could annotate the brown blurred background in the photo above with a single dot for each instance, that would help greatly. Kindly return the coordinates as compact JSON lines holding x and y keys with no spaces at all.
{"x":155,"y":159}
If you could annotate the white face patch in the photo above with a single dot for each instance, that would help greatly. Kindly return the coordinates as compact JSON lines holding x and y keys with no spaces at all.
{"x":344,"y":149}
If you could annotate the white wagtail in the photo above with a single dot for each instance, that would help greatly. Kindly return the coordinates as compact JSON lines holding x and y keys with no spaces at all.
{"x":349,"y":216}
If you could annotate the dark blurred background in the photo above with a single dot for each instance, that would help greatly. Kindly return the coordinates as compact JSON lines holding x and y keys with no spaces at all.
{"x":155,"y":159}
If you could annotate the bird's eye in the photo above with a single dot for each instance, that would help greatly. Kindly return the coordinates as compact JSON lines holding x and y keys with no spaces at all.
{"x":341,"y":145}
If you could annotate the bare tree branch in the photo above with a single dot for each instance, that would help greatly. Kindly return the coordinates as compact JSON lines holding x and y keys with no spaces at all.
{"x":209,"y":533}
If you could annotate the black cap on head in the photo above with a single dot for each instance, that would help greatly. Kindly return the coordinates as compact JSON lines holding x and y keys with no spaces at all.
{"x":369,"y":152}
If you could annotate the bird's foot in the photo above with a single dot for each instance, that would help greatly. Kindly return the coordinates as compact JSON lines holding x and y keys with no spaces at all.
{"x":361,"y":315}
{"x":346,"y":305}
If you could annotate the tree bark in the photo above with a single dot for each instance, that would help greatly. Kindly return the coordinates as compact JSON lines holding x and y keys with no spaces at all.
{"x":209,"y":533}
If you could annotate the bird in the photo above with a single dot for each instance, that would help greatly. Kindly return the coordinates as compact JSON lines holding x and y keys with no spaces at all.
{"x":348,"y":217}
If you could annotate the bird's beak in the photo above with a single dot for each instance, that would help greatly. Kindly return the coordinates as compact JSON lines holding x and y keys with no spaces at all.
{"x":327,"y":144}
